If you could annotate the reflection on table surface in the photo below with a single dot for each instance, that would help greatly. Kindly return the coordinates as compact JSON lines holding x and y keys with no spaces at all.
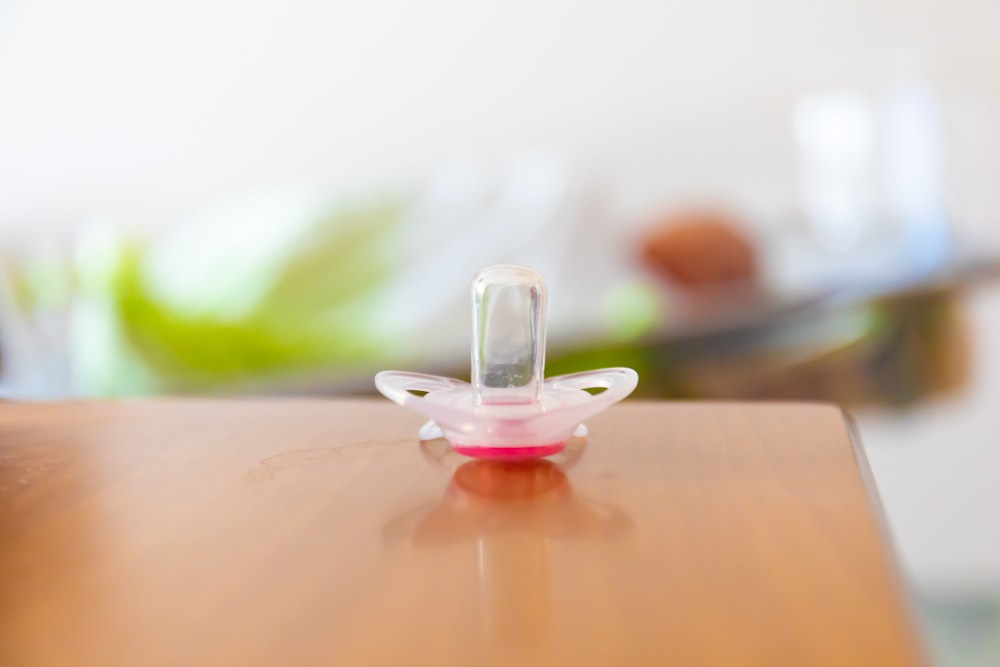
{"x":509,"y":512}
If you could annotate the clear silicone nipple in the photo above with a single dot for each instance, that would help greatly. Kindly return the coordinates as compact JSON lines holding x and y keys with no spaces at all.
{"x":508,"y":335}
{"x":508,"y":411}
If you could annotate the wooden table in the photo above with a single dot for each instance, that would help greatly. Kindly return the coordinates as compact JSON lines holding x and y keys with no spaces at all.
{"x":321,"y":533}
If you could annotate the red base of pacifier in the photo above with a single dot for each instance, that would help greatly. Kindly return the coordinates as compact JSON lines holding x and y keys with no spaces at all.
{"x":509,"y":453}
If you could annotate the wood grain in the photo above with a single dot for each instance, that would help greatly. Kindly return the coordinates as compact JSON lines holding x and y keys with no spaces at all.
{"x":321,"y":533}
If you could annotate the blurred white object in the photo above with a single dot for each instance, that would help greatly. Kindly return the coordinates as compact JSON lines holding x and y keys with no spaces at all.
{"x":911,"y":172}
{"x":871,"y":179}
{"x":835,"y":133}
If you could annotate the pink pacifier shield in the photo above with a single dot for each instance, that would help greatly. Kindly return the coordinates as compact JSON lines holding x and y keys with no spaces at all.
{"x":508,"y":411}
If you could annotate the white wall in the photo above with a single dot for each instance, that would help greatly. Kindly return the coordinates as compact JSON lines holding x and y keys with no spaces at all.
{"x":155,"y":108}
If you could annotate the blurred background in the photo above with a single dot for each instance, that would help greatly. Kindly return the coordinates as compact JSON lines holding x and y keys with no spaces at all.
{"x":740,"y":200}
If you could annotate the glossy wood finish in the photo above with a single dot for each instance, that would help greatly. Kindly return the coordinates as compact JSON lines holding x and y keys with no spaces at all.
{"x":321,"y":533}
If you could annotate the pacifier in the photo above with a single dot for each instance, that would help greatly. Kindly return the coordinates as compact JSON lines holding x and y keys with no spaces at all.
{"x":509,"y":411}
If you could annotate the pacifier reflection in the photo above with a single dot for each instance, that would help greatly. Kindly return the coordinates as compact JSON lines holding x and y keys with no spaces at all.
{"x":511,"y":512}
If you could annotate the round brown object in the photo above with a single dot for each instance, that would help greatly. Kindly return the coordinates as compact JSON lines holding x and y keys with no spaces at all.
{"x":701,"y":249}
